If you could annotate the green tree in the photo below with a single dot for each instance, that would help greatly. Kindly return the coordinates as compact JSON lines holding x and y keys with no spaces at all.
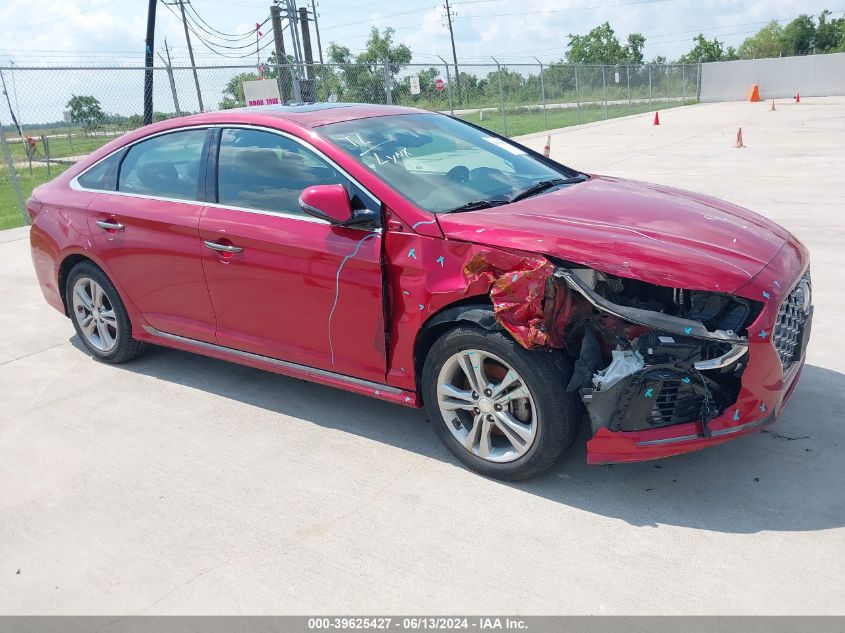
{"x":705,"y":50}
{"x":381,"y":49}
{"x":362,"y":76}
{"x":767,"y":42}
{"x":634,"y":49}
{"x":233,"y":93}
{"x":799,"y":36}
{"x":830,"y":34}
{"x":601,"y":46}
{"x":86,"y":112}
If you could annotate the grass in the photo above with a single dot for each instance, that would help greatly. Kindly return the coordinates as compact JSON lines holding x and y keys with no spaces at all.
{"x":10,"y":215}
{"x":516,"y":122}
{"x":62,"y":143}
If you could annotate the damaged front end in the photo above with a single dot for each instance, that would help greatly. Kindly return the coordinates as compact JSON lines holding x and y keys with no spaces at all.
{"x":646,"y":356}
{"x":650,"y":356}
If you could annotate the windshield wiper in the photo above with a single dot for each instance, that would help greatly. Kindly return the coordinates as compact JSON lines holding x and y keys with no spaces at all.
{"x":477,"y":204}
{"x":544,"y":185}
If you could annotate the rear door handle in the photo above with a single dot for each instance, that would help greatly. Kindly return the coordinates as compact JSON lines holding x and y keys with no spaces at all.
{"x":225,"y":248}
{"x":108,"y":225}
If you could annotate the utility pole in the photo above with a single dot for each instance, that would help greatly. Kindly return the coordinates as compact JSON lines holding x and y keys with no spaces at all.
{"x":293,"y":20}
{"x":181,"y":4}
{"x":148,"y":61}
{"x":317,"y":30}
{"x":168,"y":66}
{"x":306,"y":42}
{"x":283,"y":67}
{"x":257,"y":51}
{"x":454,"y":55}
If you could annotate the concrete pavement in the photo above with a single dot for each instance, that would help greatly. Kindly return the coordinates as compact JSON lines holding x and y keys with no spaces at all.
{"x":180,"y":484}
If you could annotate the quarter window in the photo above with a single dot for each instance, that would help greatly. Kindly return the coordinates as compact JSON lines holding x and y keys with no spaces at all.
{"x":267,"y":172}
{"x":167,"y":166}
{"x":102,"y":175}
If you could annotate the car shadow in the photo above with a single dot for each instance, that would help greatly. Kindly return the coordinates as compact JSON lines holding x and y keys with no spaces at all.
{"x":788,"y":478}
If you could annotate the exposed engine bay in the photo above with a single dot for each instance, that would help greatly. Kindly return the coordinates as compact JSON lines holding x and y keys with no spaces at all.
{"x":650,"y":356}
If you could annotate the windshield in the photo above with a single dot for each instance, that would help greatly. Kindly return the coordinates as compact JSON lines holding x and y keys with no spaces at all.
{"x":441,"y":164}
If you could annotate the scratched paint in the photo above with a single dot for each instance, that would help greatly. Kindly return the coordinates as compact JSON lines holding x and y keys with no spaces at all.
{"x":337,"y":288}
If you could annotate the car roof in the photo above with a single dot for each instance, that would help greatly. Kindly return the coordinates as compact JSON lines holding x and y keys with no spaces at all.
{"x":305,"y":114}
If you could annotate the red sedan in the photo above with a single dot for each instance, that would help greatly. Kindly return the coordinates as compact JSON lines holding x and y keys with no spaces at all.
{"x":416,"y":258}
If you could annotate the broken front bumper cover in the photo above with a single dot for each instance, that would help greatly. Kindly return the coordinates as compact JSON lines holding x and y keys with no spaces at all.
{"x":747,"y":416}
{"x":764,"y":385}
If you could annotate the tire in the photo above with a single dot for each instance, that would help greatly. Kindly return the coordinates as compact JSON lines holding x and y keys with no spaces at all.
{"x":100,"y":318}
{"x":531,"y":424}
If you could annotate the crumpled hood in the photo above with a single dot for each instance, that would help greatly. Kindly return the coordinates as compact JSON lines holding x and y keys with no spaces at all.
{"x":657,"y":234}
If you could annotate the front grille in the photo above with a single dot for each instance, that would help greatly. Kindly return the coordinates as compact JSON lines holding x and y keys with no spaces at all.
{"x":676,"y":403}
{"x":790,"y":321}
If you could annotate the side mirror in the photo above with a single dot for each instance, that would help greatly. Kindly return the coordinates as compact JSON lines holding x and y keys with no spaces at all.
{"x":327,"y":202}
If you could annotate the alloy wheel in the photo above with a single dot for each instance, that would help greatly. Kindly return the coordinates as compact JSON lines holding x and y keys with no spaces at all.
{"x":487,"y":406}
{"x":94,"y":312}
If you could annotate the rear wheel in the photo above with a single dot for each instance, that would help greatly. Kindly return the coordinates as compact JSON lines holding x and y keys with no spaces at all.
{"x":499,"y":408}
{"x":99,"y":316}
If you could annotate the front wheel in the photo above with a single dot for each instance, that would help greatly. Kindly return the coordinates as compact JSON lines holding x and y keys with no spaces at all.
{"x":501,"y":409}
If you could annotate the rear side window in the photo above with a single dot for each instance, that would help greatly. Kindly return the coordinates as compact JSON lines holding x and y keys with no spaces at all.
{"x":265,"y":171}
{"x":102,"y":175}
{"x":166,"y":166}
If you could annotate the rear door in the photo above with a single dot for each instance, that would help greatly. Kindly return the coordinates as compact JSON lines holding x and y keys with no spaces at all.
{"x":284,"y":284}
{"x":146,"y":231}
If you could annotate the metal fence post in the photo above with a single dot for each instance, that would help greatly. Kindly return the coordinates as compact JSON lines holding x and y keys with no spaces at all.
{"x":577,"y":95}
{"x":684,"y":82}
{"x":388,"y":91}
{"x":297,"y":92}
{"x":13,"y":175}
{"x":628,"y":77}
{"x":650,"y":98}
{"x":698,"y":87}
{"x":46,"y":143}
{"x":501,"y":94}
{"x":448,"y":85}
{"x":543,"y":94}
{"x":604,"y":87}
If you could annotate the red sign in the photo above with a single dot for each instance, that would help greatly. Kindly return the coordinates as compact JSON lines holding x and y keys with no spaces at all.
{"x":439,"y":85}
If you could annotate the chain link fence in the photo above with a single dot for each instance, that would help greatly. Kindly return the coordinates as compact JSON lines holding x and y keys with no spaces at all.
{"x":52,"y":116}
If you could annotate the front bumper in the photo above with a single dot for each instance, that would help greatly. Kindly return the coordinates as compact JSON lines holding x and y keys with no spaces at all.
{"x":765,"y":389}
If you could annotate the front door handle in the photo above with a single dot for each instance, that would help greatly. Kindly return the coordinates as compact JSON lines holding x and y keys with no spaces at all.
{"x":110,"y":225}
{"x":225,"y":248}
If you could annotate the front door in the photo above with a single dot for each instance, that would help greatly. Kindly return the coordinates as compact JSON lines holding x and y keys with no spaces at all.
{"x":284,"y":284}
{"x":147,"y":233}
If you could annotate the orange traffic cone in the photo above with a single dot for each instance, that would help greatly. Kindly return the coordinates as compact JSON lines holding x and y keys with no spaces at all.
{"x":548,"y":148}
{"x":739,"y":142}
{"x":773,"y":106}
{"x":656,"y":119}
{"x":797,"y":97}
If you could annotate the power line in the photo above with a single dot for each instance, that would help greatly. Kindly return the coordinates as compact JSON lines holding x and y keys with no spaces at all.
{"x":213,"y":46}
{"x":198,"y":19}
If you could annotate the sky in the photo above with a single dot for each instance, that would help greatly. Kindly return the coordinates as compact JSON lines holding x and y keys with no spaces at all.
{"x":54,"y":32}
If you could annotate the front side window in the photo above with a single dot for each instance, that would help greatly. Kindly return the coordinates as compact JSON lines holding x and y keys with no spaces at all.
{"x":267,"y":172}
{"x":441,"y":164}
{"x":166,"y":166}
